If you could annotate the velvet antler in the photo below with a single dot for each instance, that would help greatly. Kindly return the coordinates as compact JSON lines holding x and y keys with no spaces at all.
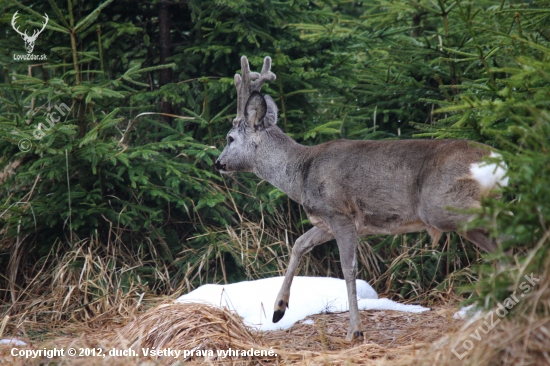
{"x":250,"y":82}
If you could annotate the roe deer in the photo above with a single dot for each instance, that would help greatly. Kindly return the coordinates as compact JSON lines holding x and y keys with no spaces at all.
{"x":355,"y":188}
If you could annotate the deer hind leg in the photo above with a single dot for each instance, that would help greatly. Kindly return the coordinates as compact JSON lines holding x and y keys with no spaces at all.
{"x":481,"y":238}
{"x":478,"y":236}
{"x":304,"y":244}
{"x":442,"y":214}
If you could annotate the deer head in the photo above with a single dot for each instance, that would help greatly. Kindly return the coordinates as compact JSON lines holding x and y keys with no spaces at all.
{"x":255,"y":113}
{"x":29,"y":40}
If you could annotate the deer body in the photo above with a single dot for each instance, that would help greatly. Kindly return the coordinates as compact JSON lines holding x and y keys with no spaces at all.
{"x":355,"y":188}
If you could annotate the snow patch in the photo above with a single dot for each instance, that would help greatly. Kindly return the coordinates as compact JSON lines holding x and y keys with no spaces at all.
{"x":12,"y":342}
{"x":387,"y":304}
{"x":254,"y":300}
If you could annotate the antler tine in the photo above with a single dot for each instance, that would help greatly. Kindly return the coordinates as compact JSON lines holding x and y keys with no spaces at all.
{"x":266,"y":75}
{"x":246,"y":86}
{"x":242,"y":84}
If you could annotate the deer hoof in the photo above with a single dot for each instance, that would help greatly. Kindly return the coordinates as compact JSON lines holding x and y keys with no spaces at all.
{"x":278,"y":315}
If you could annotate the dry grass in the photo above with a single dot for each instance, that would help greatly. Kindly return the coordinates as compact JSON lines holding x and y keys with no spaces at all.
{"x":388,"y":335}
{"x":524,"y":341}
{"x":521,"y":337}
{"x":76,"y":289}
{"x":391,"y":338}
{"x":9,"y":169}
{"x":120,"y":321}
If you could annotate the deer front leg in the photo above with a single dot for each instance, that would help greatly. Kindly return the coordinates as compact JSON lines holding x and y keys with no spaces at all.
{"x":346,"y":237}
{"x":304,"y":244}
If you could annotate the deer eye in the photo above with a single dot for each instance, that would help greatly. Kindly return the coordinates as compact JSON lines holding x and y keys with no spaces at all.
{"x":230,"y":139}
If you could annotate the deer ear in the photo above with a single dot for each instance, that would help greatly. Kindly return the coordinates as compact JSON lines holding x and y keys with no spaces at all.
{"x":255,"y":110}
{"x":270,"y":118}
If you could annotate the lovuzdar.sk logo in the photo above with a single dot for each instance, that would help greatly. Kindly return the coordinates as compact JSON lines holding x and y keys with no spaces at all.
{"x":29,"y":40}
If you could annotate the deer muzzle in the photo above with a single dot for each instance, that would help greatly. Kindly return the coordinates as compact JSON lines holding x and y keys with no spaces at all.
{"x":221,"y":167}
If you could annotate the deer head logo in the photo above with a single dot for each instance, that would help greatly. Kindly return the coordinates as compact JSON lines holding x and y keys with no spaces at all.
{"x":29,"y":40}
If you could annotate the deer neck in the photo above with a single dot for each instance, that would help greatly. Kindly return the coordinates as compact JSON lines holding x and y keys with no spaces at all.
{"x":279,"y":160}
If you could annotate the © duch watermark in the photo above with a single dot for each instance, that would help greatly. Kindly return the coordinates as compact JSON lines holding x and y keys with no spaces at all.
{"x":52,"y":118}
{"x":501,"y":311}
{"x":29,"y":41}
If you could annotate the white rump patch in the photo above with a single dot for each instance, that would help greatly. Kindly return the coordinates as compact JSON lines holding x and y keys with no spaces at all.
{"x":490,"y":175}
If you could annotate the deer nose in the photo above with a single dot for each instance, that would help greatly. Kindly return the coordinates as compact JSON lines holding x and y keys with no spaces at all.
{"x":219,"y":165}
